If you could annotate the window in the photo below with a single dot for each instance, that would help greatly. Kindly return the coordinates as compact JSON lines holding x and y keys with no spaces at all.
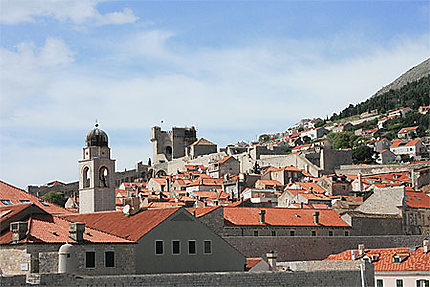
{"x":109,"y":259}
{"x":207,"y":247}
{"x":192,"y":247}
{"x":6,"y":202}
{"x":159,"y":247}
{"x":25,"y":201}
{"x":292,"y":233}
{"x":379,"y":283}
{"x":330,"y":233}
{"x":90,"y":259}
{"x":314,"y":233}
{"x":423,"y":283}
{"x":176,"y":247}
{"x":255,"y":232}
{"x":273,"y":232}
{"x":44,"y":203}
{"x":346,"y":233}
{"x":396,"y":259}
{"x":399,"y":283}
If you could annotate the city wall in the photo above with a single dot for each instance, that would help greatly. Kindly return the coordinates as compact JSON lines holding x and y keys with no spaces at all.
{"x":299,"y":248}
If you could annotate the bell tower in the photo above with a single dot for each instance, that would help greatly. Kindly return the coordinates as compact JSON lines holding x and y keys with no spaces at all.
{"x":96,"y":174}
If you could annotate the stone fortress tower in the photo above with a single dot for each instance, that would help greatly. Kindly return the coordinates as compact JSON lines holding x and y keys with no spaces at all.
{"x":168,"y":145}
{"x":96,"y":174}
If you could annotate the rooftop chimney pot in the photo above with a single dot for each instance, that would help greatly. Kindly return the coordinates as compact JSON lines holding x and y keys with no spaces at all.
{"x":76,"y":231}
{"x":316,"y":217}
{"x":262,"y":214}
{"x":360,"y":249}
{"x":19,"y":230}
{"x":426,"y":246}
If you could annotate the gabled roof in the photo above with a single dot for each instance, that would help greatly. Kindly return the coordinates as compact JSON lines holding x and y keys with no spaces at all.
{"x":405,"y":143}
{"x":159,"y":180}
{"x":53,"y":229}
{"x":408,"y":129}
{"x":207,"y":181}
{"x":251,"y":262}
{"x":131,"y":227}
{"x":225,"y":159}
{"x":203,"y":210}
{"x":269,"y":182}
{"x":276,"y":216}
{"x":202,"y":141}
{"x":19,"y":196}
{"x":414,"y":259}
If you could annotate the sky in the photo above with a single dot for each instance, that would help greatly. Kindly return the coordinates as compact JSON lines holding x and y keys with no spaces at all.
{"x":232,"y":69}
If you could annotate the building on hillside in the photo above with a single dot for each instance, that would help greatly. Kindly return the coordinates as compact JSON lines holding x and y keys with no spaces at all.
{"x":67,"y":189}
{"x":158,"y":184}
{"x":400,"y":112}
{"x":335,"y":185}
{"x":269,"y":184}
{"x":168,"y":240}
{"x":237,"y":184}
{"x":314,"y":133}
{"x":382,"y":144}
{"x":412,"y":148}
{"x":409,"y":132}
{"x":368,"y":224}
{"x":168,"y":145}
{"x":383,"y":120}
{"x":424,"y":109}
{"x":226,"y":166}
{"x":261,"y":197}
{"x":285,"y":175}
{"x":201,"y":147}
{"x":412,"y":207}
{"x":386,"y":156}
{"x":393,"y":266}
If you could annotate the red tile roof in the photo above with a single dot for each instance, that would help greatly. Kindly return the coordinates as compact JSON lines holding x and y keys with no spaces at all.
{"x":405,"y":143}
{"x":53,"y":229}
{"x":269,"y":182}
{"x":19,"y":196}
{"x":281,"y":217}
{"x":251,"y":262}
{"x":408,"y":129}
{"x":416,"y":259}
{"x":207,"y":181}
{"x":131,"y":227}
{"x":417,"y":199}
{"x":202,"y":211}
{"x":225,"y":159}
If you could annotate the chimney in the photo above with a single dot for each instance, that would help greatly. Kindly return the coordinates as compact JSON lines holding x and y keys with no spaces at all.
{"x":272,"y":257}
{"x":316,"y":217}
{"x":262,"y":214}
{"x":360,"y":249}
{"x":19,"y":230}
{"x":194,"y":213}
{"x":360,"y":184}
{"x":426,"y":246}
{"x":301,"y":205}
{"x":76,"y":231}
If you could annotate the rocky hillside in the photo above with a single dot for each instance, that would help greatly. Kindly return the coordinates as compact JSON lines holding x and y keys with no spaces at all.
{"x":414,"y":74}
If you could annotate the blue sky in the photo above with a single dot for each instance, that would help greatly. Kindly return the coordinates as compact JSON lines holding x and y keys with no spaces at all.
{"x":234,"y":69}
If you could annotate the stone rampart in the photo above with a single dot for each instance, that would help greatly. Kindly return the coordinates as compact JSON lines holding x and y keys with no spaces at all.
{"x":299,"y":248}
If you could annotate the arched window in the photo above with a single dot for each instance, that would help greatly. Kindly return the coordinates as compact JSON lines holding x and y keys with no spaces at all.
{"x":169,"y":152}
{"x":86,"y":177}
{"x":104,"y":177}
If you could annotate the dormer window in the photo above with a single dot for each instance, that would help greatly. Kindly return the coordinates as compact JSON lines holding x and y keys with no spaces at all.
{"x":396,"y":259}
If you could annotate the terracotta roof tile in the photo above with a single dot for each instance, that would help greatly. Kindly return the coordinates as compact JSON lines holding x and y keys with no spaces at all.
{"x":416,"y":261}
{"x":131,"y":227}
{"x":282,"y":217}
{"x":19,"y":196}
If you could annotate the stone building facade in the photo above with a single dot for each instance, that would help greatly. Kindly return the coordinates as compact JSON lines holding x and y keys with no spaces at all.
{"x":168,"y":145}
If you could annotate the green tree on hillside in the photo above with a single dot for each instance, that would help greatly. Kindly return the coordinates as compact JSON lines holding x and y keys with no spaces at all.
{"x":55,"y":197}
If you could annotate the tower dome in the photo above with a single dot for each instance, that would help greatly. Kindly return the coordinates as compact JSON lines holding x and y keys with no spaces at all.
{"x":96,"y":137}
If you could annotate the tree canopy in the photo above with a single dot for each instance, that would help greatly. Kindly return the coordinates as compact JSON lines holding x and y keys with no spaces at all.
{"x":55,"y":197}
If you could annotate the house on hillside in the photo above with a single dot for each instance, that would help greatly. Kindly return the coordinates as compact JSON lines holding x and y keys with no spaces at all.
{"x":409,"y":132}
{"x":386,"y":156}
{"x":411,"y":148}
{"x":228,"y":165}
{"x":400,"y":112}
{"x":201,"y":147}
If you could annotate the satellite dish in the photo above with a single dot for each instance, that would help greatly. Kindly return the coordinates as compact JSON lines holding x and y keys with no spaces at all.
{"x":126,"y":209}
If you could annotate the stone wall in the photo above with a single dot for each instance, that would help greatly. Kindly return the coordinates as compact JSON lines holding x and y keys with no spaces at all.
{"x":267,"y":278}
{"x":14,"y":260}
{"x":316,"y":248}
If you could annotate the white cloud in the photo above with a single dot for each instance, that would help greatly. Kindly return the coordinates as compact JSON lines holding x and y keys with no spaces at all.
{"x":257,"y":88}
{"x":76,"y":11}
